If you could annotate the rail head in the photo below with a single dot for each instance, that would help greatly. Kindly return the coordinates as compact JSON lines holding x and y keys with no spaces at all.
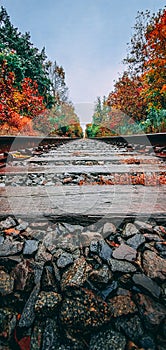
{"x":14,"y":143}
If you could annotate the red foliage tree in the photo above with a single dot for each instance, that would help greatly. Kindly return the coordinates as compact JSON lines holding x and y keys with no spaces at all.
{"x":153,"y":78}
{"x":18,"y":107}
{"x":127,"y":98}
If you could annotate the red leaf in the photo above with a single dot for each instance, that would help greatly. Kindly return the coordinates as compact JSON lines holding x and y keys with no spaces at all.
{"x":24,"y":343}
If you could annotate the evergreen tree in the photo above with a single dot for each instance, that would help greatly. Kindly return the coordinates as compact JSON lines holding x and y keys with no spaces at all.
{"x":29,"y":61}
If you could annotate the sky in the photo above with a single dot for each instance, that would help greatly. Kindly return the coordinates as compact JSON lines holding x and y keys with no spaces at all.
{"x":87,"y":37}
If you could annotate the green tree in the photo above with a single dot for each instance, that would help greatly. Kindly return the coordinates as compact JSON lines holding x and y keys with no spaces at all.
{"x":33,"y":62}
{"x":97,"y":116}
{"x":100,"y":111}
{"x":13,"y":64}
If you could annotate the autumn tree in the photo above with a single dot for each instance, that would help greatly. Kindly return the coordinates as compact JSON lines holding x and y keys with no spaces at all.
{"x":154,"y":76}
{"x":127,"y":98}
{"x":17,"y":106}
{"x":31,"y":63}
{"x":142,"y":86}
{"x":41,"y":123}
{"x":146,"y":58}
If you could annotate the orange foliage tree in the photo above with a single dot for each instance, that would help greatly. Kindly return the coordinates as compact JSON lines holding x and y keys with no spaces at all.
{"x":142,"y":87}
{"x":127,"y":98}
{"x":18,"y":106}
{"x":154,"y":77}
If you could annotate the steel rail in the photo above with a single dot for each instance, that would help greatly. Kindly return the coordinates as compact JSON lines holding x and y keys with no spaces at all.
{"x":20,"y":142}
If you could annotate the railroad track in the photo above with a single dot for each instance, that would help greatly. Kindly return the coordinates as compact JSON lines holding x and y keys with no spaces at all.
{"x":85,"y":178}
{"x":11,"y":144}
{"x":82,"y":246}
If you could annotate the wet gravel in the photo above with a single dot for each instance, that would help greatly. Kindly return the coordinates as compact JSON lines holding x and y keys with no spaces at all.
{"x":68,"y":286}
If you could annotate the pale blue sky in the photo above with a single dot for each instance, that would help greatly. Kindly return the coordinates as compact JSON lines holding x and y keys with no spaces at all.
{"x":87,"y":37}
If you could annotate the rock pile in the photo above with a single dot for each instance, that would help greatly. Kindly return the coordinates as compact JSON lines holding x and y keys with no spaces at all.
{"x":67,"y":287}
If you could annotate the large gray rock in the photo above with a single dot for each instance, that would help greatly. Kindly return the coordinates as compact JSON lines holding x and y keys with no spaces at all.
{"x":136,"y":241}
{"x":108,"y":229}
{"x":108,"y":340}
{"x":64,"y":260}
{"x":143,"y":226}
{"x":10,"y":248}
{"x":121,"y":266}
{"x":129,"y":230}
{"x":146,"y":283}
{"x":124,"y":252}
{"x":101,"y":248}
{"x":22,"y":225}
{"x":7,"y":223}
{"x":104,"y":251}
{"x":154,"y":266}
{"x":28,"y":314}
{"x":30,"y":247}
